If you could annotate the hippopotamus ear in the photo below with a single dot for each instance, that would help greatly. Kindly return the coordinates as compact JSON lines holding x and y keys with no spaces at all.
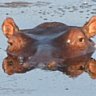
{"x":90,"y":27}
{"x":9,"y":27}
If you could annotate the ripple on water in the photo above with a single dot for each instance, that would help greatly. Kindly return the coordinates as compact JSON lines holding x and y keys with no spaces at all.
{"x":23,"y":4}
{"x":9,"y":91}
{"x":47,"y":9}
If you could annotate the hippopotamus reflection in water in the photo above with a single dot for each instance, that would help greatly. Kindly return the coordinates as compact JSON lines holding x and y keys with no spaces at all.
{"x":73,"y":67}
{"x":49,"y":44}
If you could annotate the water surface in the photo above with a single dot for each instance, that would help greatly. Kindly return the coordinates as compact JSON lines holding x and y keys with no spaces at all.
{"x":27,"y":14}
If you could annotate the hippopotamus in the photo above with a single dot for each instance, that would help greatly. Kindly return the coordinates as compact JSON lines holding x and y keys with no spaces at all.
{"x":72,"y":67}
{"x":48,"y":44}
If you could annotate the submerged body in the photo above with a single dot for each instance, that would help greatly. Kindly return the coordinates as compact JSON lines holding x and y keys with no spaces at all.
{"x":50,"y":43}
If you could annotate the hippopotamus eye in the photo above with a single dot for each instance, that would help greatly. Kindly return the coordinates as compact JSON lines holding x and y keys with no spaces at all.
{"x":81,"y":39}
{"x":10,"y":43}
{"x":10,"y":62}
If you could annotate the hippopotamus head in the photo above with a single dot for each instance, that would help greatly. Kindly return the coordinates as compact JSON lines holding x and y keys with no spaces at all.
{"x":50,"y":42}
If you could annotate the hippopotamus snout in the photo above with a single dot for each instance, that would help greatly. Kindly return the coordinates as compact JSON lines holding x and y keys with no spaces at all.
{"x":45,"y":56}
